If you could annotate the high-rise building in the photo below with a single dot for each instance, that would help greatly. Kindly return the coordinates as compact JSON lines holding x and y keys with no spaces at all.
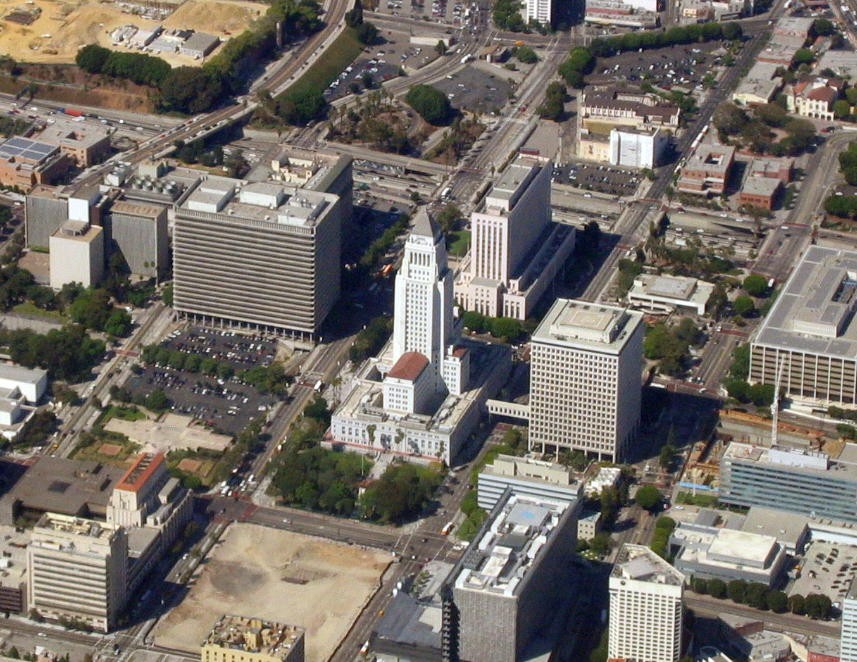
{"x":239,"y":639}
{"x":77,"y":570}
{"x":515,"y":249}
{"x":77,"y":254}
{"x":645,"y":607}
{"x":512,"y":579}
{"x":258,"y":255}
{"x":848,"y":640}
{"x":585,"y":383}
{"x":538,"y":10}
{"x":139,"y":232}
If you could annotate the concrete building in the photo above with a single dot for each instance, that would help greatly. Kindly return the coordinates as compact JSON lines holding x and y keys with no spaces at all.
{"x":712,"y":551}
{"x":199,"y":45}
{"x":77,"y":254}
{"x":749,"y":637}
{"x":418,"y":398}
{"x":31,"y":382}
{"x":24,"y":163}
{"x":645,"y":607}
{"x":638,"y":148}
{"x":257,"y":255}
{"x":791,"y":532}
{"x":626,"y":110}
{"x":512,"y":577}
{"x":240,"y":639}
{"x":848,"y":641}
{"x":621,"y":13}
{"x":77,"y":570}
{"x":585,"y":383}
{"x":665,"y":294}
{"x":791,"y":480}
{"x":139,"y":232}
{"x":759,"y":86}
{"x":45,"y":209}
{"x":842,"y":63}
{"x":761,"y":192}
{"x":538,"y":10}
{"x":810,"y":335}
{"x":606,"y":477}
{"x":707,"y":169}
{"x":526,"y":476}
{"x":57,"y":485}
{"x":516,"y":251}
{"x":84,"y":143}
{"x":588,"y":525}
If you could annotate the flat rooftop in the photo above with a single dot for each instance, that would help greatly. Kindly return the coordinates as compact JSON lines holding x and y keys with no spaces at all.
{"x":140,"y":209}
{"x":264,"y":202}
{"x":59,"y":485}
{"x":767,"y":521}
{"x":589,"y":325}
{"x":642,"y":564}
{"x":21,"y":374}
{"x":254,"y":635}
{"x":74,"y":134}
{"x":711,"y":157}
{"x":511,"y":183}
{"x":766,"y":186}
{"x":814,"y":311}
{"x":499,"y":560}
{"x":798,"y":459}
{"x":19,"y":148}
{"x":76,"y":526}
{"x":78,"y":231}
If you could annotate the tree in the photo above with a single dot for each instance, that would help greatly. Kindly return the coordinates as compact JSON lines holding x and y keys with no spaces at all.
{"x":821,"y":27}
{"x":841,"y":109}
{"x":367,"y":33}
{"x":699,"y":585}
{"x":448,"y":217}
{"x":797,"y":604}
{"x":743,"y":305}
{"x":665,"y":459}
{"x":600,"y":544}
{"x":818,"y":606}
{"x":118,"y":324}
{"x":440,"y":47}
{"x":717,"y":588}
{"x":757,"y":596}
{"x":430,"y":103}
{"x":92,"y":58}
{"x":755,"y":285}
{"x":526,"y":55}
{"x":301,"y":105}
{"x":737,"y":590}
{"x":190,"y":90}
{"x":778,"y":602}
{"x":354,"y":17}
{"x":157,"y":401}
{"x":771,"y":114}
{"x":648,"y":497}
{"x":729,"y":118}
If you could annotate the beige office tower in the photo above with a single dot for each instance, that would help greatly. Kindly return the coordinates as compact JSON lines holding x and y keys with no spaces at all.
{"x":77,"y":570}
{"x":645,"y":607}
{"x":585,"y":379}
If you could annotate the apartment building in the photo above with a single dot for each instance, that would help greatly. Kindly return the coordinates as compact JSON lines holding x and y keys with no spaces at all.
{"x":77,"y":570}
{"x":810,"y":336}
{"x":585,"y":383}
{"x":848,"y":640}
{"x":538,"y":10}
{"x":516,"y":251}
{"x":645,"y":607}
{"x":257,"y":255}
{"x":240,"y":639}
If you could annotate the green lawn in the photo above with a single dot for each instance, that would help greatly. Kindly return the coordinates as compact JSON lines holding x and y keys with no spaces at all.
{"x":123,"y":413}
{"x":325,"y":70}
{"x":28,"y":308}
{"x":459,"y":243}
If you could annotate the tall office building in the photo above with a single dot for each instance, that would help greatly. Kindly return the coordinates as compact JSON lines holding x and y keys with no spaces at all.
{"x":77,"y":570}
{"x":257,"y":255}
{"x":585,"y":379}
{"x":645,"y":607}
{"x":538,"y":10}
{"x":515,"y":249}
{"x":848,"y":639}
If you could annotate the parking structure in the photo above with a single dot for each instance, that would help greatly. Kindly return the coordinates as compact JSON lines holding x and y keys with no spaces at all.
{"x":601,"y":178}
{"x":223,"y":402}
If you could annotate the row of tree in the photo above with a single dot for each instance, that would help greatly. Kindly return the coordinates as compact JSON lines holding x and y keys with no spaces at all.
{"x":759,"y":596}
{"x":759,"y":130}
{"x":431,"y":104}
{"x":499,"y":327}
{"x":68,"y":353}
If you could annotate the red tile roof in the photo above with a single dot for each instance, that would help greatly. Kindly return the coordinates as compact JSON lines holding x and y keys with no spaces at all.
{"x":409,"y":366}
{"x":459,"y":351}
{"x":143,"y":468}
{"x":827,"y":94}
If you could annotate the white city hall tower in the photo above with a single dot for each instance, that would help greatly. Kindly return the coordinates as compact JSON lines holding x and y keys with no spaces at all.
{"x":425,"y":361}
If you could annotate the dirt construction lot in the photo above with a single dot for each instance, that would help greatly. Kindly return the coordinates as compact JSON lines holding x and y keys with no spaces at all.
{"x":286,"y":577}
{"x":63,"y":27}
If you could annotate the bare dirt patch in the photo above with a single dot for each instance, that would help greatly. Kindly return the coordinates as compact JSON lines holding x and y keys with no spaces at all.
{"x":110,"y":450}
{"x":282,"y":576}
{"x":190,"y":465}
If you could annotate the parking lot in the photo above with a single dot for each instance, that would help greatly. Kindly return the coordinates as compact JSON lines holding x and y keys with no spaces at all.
{"x":376,"y":68}
{"x":602,"y":178}
{"x":475,"y":90}
{"x":827,"y":568}
{"x":222,"y":401}
{"x":459,"y":14}
{"x":675,"y":66}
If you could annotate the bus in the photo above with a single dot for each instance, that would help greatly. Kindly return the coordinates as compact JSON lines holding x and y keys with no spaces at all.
{"x":447,"y":528}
